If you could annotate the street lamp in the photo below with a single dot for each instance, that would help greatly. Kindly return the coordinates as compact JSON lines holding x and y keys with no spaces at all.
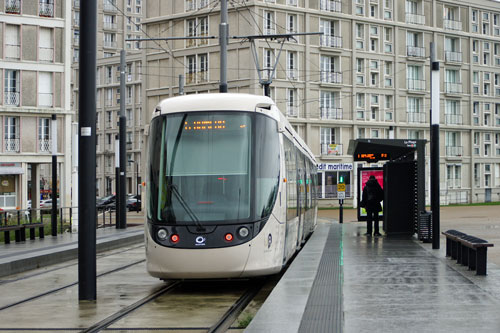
{"x":136,"y":182}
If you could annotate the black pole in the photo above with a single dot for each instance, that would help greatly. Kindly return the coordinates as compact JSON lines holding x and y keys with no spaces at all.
{"x":53,"y":221}
{"x":123,"y":152}
{"x":87,"y":153}
{"x":117,"y":180}
{"x":138,"y":197}
{"x":434,"y":167}
{"x":341,"y":211}
{"x":267,"y":89}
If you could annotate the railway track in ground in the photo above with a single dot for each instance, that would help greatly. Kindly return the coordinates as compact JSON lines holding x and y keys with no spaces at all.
{"x":196,"y":294}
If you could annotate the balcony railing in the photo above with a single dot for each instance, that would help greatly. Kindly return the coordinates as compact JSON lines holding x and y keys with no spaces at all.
{"x":416,"y":117}
{"x":331,"y":77}
{"x":76,"y":3}
{"x":415,"y":18}
{"x":453,"y":56}
{"x":292,"y":74}
{"x":452,"y":24}
{"x":45,"y":145}
{"x":453,"y":119}
{"x":46,"y":54}
{"x":12,"y":145}
{"x":109,"y":25}
{"x":454,"y":150}
{"x":269,"y":31}
{"x":331,"y":41}
{"x":76,"y":40}
{"x":46,"y":9}
{"x":45,"y":99}
{"x":331,"y":6}
{"x":453,"y":87}
{"x":415,"y":51}
{"x":190,"y":5}
{"x":331,"y":113}
{"x":331,"y":149}
{"x":292,"y":111}
{"x":11,"y":98}
{"x":76,"y":22}
{"x":203,"y":4}
{"x":203,"y":76}
{"x":110,"y":44}
{"x":454,"y":183}
{"x":12,"y":51}
{"x":416,"y":84}
{"x":13,"y":6}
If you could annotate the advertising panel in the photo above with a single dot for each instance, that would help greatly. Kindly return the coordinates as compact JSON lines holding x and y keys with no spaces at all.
{"x":363,"y":176}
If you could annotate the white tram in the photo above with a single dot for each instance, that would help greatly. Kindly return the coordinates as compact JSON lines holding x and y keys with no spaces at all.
{"x":231,"y":188}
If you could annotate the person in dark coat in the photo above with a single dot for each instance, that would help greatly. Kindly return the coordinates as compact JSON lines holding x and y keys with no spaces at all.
{"x":372,"y":195}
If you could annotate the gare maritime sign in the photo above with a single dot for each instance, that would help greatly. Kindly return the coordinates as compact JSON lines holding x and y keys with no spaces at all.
{"x":335,"y":166}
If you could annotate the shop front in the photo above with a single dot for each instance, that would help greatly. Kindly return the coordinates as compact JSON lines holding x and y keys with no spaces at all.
{"x":10,"y":179}
{"x":331,"y":174}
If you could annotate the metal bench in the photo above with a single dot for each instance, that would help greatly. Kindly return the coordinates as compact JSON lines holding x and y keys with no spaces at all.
{"x":32,"y":227}
{"x":6,"y":229}
{"x":467,"y":250}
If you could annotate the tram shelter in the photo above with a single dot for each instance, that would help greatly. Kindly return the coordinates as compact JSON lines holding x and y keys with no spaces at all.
{"x":403,"y":182}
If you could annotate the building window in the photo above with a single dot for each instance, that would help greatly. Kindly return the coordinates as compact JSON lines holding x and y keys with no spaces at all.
{"x":11,"y":134}
{"x":291,"y":103}
{"x":269,"y":23}
{"x":328,"y":142}
{"x":45,"y":95}
{"x":44,"y":135}
{"x":11,"y":87}
{"x":291,"y":66}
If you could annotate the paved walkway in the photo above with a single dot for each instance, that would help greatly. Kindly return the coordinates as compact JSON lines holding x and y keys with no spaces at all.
{"x":387,"y":285}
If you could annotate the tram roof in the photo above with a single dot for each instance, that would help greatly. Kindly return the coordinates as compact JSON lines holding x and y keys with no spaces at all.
{"x":215,"y":102}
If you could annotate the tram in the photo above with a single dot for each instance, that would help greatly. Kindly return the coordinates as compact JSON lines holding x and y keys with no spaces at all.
{"x":231,"y":188}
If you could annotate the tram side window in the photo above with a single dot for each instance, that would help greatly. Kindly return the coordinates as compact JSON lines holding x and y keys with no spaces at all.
{"x":301,"y":181}
{"x":291,"y":184}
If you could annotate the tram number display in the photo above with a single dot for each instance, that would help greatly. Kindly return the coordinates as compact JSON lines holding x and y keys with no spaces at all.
{"x":372,"y":156}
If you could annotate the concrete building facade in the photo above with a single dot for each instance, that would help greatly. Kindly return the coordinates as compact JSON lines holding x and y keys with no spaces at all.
{"x":35,"y":65}
{"x":117,"y":21}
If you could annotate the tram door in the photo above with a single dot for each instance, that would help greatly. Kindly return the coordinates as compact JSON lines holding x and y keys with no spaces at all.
{"x":301,"y":185}
{"x":400,"y":197}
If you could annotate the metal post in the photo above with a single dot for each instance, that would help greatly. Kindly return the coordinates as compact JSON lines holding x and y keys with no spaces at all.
{"x":223,"y":40}
{"x":74,"y":190}
{"x":341,"y":211}
{"x":53,"y":222}
{"x":123,"y":167}
{"x":87,"y":153}
{"x":434,"y":147}
{"x":117,"y":181}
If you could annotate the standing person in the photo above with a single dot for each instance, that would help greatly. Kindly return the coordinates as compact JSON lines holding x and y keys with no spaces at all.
{"x":372,"y":195}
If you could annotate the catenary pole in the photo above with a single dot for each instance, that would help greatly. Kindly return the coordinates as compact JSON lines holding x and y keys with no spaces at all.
{"x":223,"y":40}
{"x":117,"y":181}
{"x":87,"y":153}
{"x":123,"y":152}
{"x":434,"y":170}
{"x":53,"y":221}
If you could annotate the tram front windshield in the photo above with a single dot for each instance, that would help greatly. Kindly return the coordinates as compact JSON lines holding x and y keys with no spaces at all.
{"x":212,"y":167}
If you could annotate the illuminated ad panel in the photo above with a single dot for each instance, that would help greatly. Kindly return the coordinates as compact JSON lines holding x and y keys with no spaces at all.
{"x":364,"y":175}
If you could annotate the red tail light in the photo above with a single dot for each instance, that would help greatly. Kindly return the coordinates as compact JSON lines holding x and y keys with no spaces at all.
{"x":229,"y":237}
{"x":174,"y":238}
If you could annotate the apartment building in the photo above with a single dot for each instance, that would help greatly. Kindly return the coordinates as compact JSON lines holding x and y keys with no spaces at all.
{"x":367,"y":76}
{"x":35,"y":64}
{"x":117,"y":20}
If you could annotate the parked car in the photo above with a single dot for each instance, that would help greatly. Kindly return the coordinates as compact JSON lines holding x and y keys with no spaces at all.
{"x":106,"y":203}
{"x":134,"y":204}
{"x":47,"y":203}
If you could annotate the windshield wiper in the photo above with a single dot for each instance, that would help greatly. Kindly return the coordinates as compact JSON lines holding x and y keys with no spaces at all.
{"x":186,"y":207}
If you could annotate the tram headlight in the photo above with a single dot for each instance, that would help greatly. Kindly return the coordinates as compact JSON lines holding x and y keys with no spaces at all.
{"x":243,"y":232}
{"x":162,"y":234}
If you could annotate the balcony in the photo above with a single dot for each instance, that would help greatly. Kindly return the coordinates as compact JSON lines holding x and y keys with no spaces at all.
{"x":110,"y":44}
{"x":13,"y":6}
{"x":46,"y":9}
{"x":331,"y":41}
{"x":12,"y":51}
{"x":45,"y":99}
{"x":190,"y":78}
{"x":12,"y":145}
{"x":416,"y":84}
{"x":190,"y":5}
{"x":76,"y":22}
{"x":331,"y":6}
{"x":415,"y":51}
{"x":76,"y":40}
{"x":109,"y":25}
{"x":269,"y":31}
{"x":416,"y":117}
{"x":452,"y":25}
{"x":453,"y":119}
{"x":454,"y":151}
{"x":331,"y":77}
{"x":203,"y":76}
{"x":203,"y":4}
{"x":454,"y":183}
{"x":415,"y":19}
{"x":76,"y":3}
{"x":453,"y":87}
{"x":453,"y":56}
{"x":292,"y":74}
{"x":46,"y":54}
{"x":331,"y":113}
{"x":11,"y":98}
{"x":44,"y":145}
{"x":109,"y":7}
{"x":331,"y":149}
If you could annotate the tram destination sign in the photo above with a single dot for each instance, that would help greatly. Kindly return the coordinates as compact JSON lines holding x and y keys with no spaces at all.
{"x":372,"y":157}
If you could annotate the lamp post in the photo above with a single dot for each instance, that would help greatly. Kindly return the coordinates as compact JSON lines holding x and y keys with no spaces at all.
{"x":136,"y":182}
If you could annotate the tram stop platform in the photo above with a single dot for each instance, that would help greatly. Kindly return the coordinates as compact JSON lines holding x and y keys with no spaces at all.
{"x":343,"y":281}
{"x":31,"y":254}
